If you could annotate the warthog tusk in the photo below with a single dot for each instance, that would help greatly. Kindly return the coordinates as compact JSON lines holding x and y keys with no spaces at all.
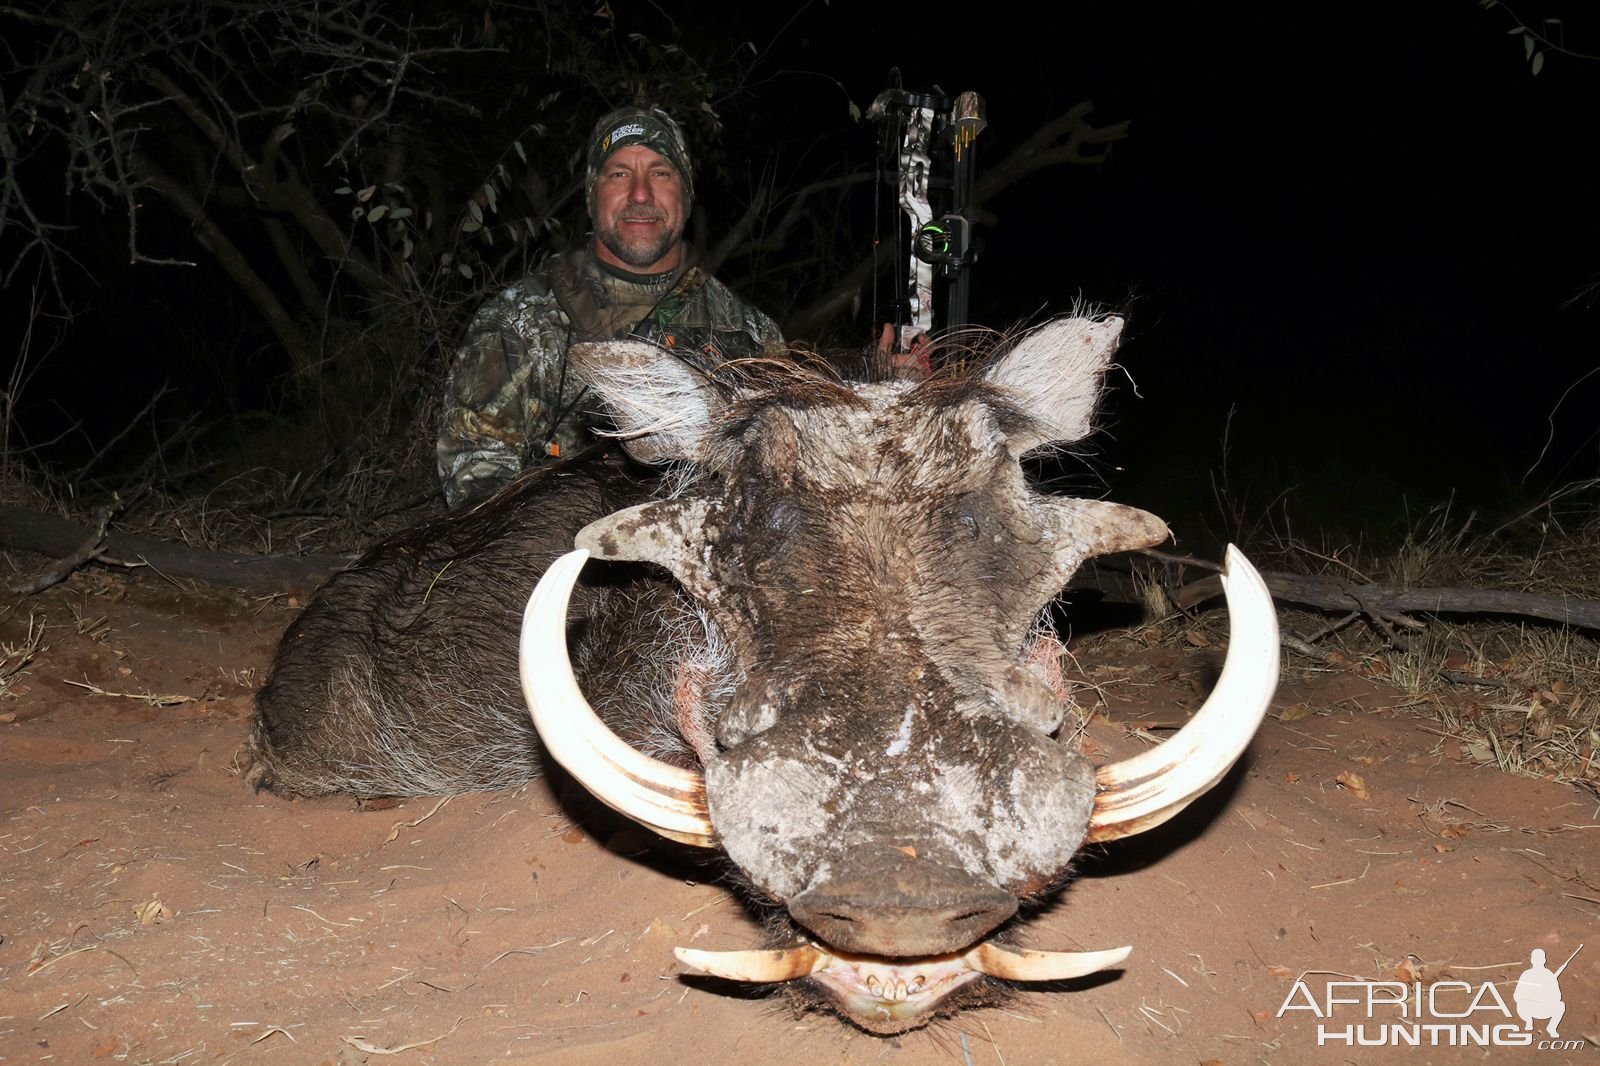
{"x":803,"y":960}
{"x":762,"y":967}
{"x":1142,"y":792}
{"x":657,"y":795}
{"x":1022,"y":965}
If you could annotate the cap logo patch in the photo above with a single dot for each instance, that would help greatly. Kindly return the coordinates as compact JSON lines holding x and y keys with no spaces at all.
{"x":632,"y":129}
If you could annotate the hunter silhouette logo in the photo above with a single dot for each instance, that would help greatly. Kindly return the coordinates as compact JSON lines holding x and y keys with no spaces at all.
{"x":1538,"y":993}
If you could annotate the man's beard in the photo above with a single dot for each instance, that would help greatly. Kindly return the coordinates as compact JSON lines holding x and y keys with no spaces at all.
{"x":639,"y":255}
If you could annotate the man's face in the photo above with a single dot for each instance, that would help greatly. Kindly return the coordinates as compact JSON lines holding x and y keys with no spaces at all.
{"x":639,"y":211}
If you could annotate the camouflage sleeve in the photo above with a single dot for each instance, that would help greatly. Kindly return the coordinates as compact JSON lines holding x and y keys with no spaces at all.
{"x":494,"y":409}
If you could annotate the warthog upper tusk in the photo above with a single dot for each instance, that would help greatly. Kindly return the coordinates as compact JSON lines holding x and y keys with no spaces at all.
{"x":1021,"y":965}
{"x":1142,"y":792}
{"x":762,"y":967}
{"x":662,"y":797}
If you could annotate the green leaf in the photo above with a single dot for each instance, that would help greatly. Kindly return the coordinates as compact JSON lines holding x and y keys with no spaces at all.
{"x":1538,"y":64}
{"x":464,"y":270}
{"x":475,"y":211}
{"x":855,"y":112}
{"x":489,"y":194}
{"x":1527,"y":47}
{"x":516,"y":146}
{"x":1518,"y":29}
{"x":471,"y":226}
{"x":406,"y":248}
{"x":366,"y":194}
{"x":400,"y":212}
{"x":377,"y":212}
{"x":343,"y":190}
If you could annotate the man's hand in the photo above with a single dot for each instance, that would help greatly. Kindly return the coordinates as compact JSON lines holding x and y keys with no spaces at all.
{"x":911,"y":363}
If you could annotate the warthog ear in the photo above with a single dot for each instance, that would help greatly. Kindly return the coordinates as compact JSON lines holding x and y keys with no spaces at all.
{"x":669,"y":533}
{"x":1053,"y":375}
{"x":663,"y":407}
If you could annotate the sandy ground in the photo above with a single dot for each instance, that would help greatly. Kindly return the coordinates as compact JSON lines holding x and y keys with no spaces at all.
{"x":153,"y":910}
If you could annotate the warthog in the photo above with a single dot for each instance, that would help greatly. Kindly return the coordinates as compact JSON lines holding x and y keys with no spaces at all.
{"x":847,"y":687}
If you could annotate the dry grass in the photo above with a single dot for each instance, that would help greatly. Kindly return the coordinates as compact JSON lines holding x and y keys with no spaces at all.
{"x":15,"y":655}
{"x":267,"y":511}
{"x":340,"y":462}
{"x":1523,"y":696}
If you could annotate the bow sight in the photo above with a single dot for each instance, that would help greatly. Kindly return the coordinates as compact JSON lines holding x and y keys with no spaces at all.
{"x":926,"y":152}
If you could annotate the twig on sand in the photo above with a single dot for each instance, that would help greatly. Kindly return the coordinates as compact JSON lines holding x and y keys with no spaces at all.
{"x":373,"y":1049}
{"x":537,"y":949}
{"x":395,"y":832}
{"x":169,"y":700}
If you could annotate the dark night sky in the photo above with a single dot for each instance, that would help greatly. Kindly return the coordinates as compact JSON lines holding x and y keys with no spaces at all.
{"x":1355,"y":230}
{"x":1358,"y":230}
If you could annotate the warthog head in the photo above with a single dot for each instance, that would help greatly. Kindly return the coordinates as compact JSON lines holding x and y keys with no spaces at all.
{"x":886,"y":766}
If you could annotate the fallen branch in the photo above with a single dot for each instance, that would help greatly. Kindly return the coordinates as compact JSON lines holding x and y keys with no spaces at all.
{"x":92,"y":547}
{"x":34,"y":531}
{"x":1391,"y":603}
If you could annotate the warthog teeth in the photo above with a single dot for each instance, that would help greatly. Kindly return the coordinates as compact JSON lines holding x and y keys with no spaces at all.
{"x":1025,"y":965}
{"x":762,"y":967}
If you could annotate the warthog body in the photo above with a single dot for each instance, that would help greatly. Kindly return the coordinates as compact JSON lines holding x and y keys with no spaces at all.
{"x":400,"y":677}
{"x":850,"y":659}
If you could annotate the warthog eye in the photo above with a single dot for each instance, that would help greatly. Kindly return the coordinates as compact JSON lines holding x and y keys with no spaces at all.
{"x":783,"y":517}
{"x":969,"y":523}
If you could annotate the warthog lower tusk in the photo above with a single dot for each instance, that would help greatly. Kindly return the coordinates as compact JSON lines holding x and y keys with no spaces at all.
{"x":665,"y":798}
{"x":1022,"y":965}
{"x":803,"y":960}
{"x":761,"y":967}
{"x":1142,"y":792}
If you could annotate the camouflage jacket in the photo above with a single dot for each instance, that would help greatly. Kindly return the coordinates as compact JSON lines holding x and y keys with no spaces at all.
{"x":512,"y":399}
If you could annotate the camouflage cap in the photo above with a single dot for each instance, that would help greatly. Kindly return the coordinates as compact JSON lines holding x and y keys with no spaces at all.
{"x":649,"y":126}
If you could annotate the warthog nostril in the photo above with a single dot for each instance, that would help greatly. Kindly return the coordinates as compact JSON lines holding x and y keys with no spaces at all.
{"x":902,"y":907}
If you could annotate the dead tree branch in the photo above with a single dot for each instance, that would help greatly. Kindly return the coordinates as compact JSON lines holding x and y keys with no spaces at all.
{"x":25,"y":530}
{"x":92,"y":547}
{"x":1393,"y":604}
